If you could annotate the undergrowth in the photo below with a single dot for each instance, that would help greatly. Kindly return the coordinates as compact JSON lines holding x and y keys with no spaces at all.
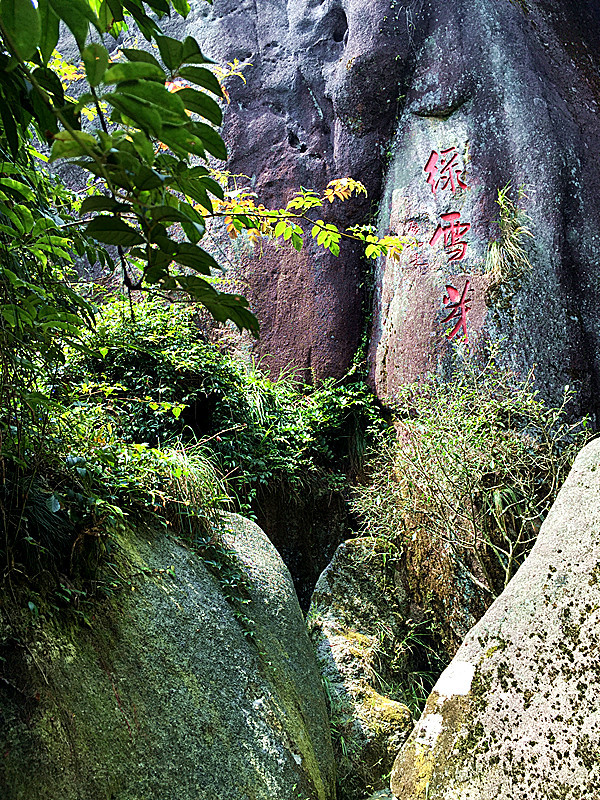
{"x":158,"y":379}
{"x":147,"y":417}
{"x":506,"y":262}
{"x":476,"y":463}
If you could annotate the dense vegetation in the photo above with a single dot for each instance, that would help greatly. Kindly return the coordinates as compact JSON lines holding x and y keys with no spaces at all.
{"x":117,"y":406}
{"x":476,"y":463}
{"x":144,"y":131}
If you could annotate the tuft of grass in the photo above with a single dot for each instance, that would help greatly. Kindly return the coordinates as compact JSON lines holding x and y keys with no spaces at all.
{"x":506,"y":260}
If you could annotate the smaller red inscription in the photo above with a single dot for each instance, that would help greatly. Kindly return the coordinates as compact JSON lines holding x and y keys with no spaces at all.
{"x":456,"y":304}
{"x":442,"y":172}
{"x":418,"y":260}
{"x":453,"y":232}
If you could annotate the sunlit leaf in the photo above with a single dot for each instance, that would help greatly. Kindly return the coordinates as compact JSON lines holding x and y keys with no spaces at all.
{"x":77,"y":15}
{"x":200,"y":103}
{"x":202,"y":77}
{"x":132,"y":71}
{"x":95,"y":58}
{"x":49,"y":30}
{"x":171,"y":51}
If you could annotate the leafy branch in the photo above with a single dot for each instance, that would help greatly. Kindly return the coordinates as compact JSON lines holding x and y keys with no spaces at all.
{"x":241,"y":213}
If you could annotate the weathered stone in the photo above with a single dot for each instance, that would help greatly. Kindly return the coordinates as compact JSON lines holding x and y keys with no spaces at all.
{"x":278,"y":128}
{"x":356,"y":620}
{"x":513,"y":87}
{"x":515,"y":715}
{"x":370,"y":88}
{"x":166,"y":695}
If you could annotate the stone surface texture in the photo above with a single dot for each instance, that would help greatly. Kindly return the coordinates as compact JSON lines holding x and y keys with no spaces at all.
{"x":371,"y":89}
{"x":356,"y":620}
{"x":280,"y":133}
{"x":164,"y":696}
{"x":514,"y":87}
{"x":515,"y":715}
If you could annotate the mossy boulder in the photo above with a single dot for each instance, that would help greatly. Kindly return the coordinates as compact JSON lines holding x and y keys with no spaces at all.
{"x":166,"y":696}
{"x":356,"y":617}
{"x":515,"y":715}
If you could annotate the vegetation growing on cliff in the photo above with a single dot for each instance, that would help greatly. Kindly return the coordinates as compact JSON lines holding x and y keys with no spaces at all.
{"x":144,"y":131}
{"x":477,"y":462}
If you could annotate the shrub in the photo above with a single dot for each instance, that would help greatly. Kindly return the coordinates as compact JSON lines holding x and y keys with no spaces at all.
{"x":160,"y":380}
{"x":477,"y":463}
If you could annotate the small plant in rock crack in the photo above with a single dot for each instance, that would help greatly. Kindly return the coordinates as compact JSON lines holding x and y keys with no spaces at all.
{"x":506,"y":261}
{"x":414,"y":662}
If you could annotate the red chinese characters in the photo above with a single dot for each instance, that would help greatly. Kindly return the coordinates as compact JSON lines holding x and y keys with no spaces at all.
{"x":442,"y":172}
{"x":453,"y":230}
{"x":418,"y":260}
{"x":456,"y":304}
{"x":445,"y":173}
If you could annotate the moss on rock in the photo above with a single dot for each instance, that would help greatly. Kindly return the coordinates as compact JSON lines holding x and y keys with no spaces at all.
{"x":166,"y":696}
{"x":357,"y":612}
{"x":514,"y":716}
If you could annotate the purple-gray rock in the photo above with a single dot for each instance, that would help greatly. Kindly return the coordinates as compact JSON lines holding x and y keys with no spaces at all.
{"x":510,"y":90}
{"x":374,"y":89}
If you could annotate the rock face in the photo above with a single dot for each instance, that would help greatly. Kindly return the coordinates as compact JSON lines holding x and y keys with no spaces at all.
{"x":515,"y":715}
{"x":279,"y":131}
{"x":436,"y":106}
{"x":305,"y":529}
{"x":356,"y":619}
{"x":498,"y":93}
{"x":164,"y":696}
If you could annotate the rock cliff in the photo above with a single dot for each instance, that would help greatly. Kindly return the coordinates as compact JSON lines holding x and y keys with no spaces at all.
{"x":436,"y":106}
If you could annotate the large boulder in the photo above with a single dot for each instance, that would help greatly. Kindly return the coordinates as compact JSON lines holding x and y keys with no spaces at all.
{"x":515,"y":715}
{"x":435,"y":106}
{"x":170,"y":692}
{"x":357,"y":620}
{"x":279,"y":132}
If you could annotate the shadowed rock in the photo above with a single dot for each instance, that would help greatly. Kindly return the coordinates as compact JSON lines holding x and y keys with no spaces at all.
{"x":357,"y":623}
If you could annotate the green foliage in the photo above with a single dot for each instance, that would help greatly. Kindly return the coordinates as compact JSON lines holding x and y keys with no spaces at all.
{"x":161,"y":380}
{"x":146,"y":181}
{"x":40,"y":309}
{"x":477,"y":463}
{"x":68,"y":478}
{"x":413,"y":663}
{"x":241,"y":213}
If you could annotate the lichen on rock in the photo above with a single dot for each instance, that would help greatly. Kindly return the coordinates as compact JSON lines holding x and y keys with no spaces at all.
{"x":515,"y":715}
{"x":357,"y":613}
